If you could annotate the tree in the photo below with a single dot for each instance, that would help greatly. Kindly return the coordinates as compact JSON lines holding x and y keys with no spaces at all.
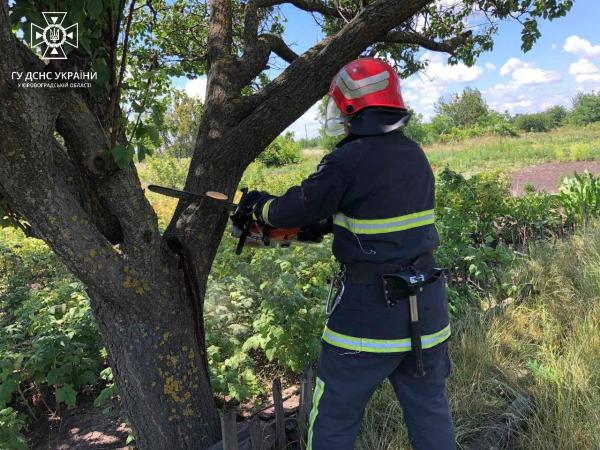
{"x":84,"y":197}
{"x":586,"y":109}
{"x":181,"y":123}
{"x":465,"y":109}
{"x":557,"y":115}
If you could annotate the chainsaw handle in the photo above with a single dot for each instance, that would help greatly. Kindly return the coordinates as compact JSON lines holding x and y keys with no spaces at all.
{"x":242,"y":239}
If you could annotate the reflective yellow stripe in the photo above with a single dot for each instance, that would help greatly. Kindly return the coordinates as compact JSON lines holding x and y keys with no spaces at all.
{"x":389,"y":225}
{"x":319,"y":389}
{"x":383,"y":345}
{"x":265,"y":211}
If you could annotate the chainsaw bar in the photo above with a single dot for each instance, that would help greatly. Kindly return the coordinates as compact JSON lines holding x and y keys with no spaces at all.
{"x":190,"y":196}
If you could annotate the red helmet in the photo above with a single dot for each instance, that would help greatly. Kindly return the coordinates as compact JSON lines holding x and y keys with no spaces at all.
{"x":360,"y":84}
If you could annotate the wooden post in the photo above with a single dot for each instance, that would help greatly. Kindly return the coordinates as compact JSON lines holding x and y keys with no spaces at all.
{"x":229,"y":430}
{"x":304,"y":407}
{"x":301,"y":418}
{"x":256,"y":433}
{"x":281,"y":440}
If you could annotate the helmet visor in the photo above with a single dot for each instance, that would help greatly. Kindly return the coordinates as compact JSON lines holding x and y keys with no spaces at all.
{"x":334,"y":119}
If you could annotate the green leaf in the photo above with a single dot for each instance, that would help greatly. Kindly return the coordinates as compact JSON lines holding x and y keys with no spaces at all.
{"x":105,"y":395}
{"x":123,"y":155}
{"x":85,"y":44}
{"x":66,"y":394}
{"x":142,"y":151}
{"x":87,"y":377}
{"x":6,"y":390}
{"x":94,"y":7}
{"x":55,"y":376}
{"x":101,"y":69}
{"x":270,"y":353}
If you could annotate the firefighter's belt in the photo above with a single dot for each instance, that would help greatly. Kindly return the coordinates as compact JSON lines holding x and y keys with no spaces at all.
{"x":365,"y":272}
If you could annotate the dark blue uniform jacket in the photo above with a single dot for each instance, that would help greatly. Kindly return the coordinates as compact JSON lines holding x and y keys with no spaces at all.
{"x":380,"y":192}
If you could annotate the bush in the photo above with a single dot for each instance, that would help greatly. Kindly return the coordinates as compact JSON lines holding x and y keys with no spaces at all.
{"x":49,"y":343}
{"x":309,"y":142}
{"x":328,"y":142}
{"x":417,"y":131}
{"x":11,"y":424}
{"x":537,"y":122}
{"x":283,"y":150}
{"x":165,"y":170}
{"x":557,"y":115}
{"x":586,"y":109}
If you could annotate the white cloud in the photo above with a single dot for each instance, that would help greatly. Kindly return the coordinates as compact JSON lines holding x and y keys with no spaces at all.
{"x":490,"y":66}
{"x":442,"y":74}
{"x":534,"y":75}
{"x":307,"y":124}
{"x":460,"y":73}
{"x":584,"y":70}
{"x":196,"y":88}
{"x":583,"y":66}
{"x":521,"y":104}
{"x":524,"y":73}
{"x":580,"y":46}
{"x":554,"y":46}
{"x":510,"y":65}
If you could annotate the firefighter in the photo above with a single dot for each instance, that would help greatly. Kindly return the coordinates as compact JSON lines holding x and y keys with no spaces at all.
{"x":375,"y":192}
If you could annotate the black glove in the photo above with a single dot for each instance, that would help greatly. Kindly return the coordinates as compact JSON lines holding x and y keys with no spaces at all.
{"x":249,"y":201}
{"x":251,"y":205}
{"x":315,"y":231}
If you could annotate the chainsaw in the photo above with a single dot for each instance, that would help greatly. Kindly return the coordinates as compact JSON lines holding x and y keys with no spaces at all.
{"x":244,"y":226}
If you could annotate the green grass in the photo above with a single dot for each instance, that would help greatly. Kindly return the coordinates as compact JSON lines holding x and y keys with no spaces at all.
{"x":494,"y":153}
{"x":545,"y":346}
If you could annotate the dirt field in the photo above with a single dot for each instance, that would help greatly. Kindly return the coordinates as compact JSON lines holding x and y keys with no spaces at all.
{"x":546,"y":177}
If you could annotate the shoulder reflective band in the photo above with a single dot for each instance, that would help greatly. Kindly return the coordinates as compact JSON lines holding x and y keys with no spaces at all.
{"x":383,"y":345}
{"x":319,"y":389}
{"x":265,"y":211}
{"x":390,"y":225}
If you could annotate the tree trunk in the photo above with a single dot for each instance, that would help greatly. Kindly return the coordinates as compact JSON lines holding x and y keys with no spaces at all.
{"x":160,"y":370}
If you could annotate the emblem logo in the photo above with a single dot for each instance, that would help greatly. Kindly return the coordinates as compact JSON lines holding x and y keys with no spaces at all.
{"x":54,"y":35}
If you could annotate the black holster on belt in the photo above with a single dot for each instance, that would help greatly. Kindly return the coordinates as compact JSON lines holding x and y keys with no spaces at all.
{"x":406,"y":284}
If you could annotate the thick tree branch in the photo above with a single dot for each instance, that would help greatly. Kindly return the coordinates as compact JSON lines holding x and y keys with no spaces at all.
{"x":118,"y":189}
{"x":317,"y":6}
{"x":278,"y":46}
{"x":411,"y":38}
{"x":219,"y":30}
{"x":256,"y":58}
{"x":251,"y":22}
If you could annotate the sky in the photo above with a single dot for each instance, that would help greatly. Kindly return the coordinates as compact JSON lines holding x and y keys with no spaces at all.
{"x":563,"y":62}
